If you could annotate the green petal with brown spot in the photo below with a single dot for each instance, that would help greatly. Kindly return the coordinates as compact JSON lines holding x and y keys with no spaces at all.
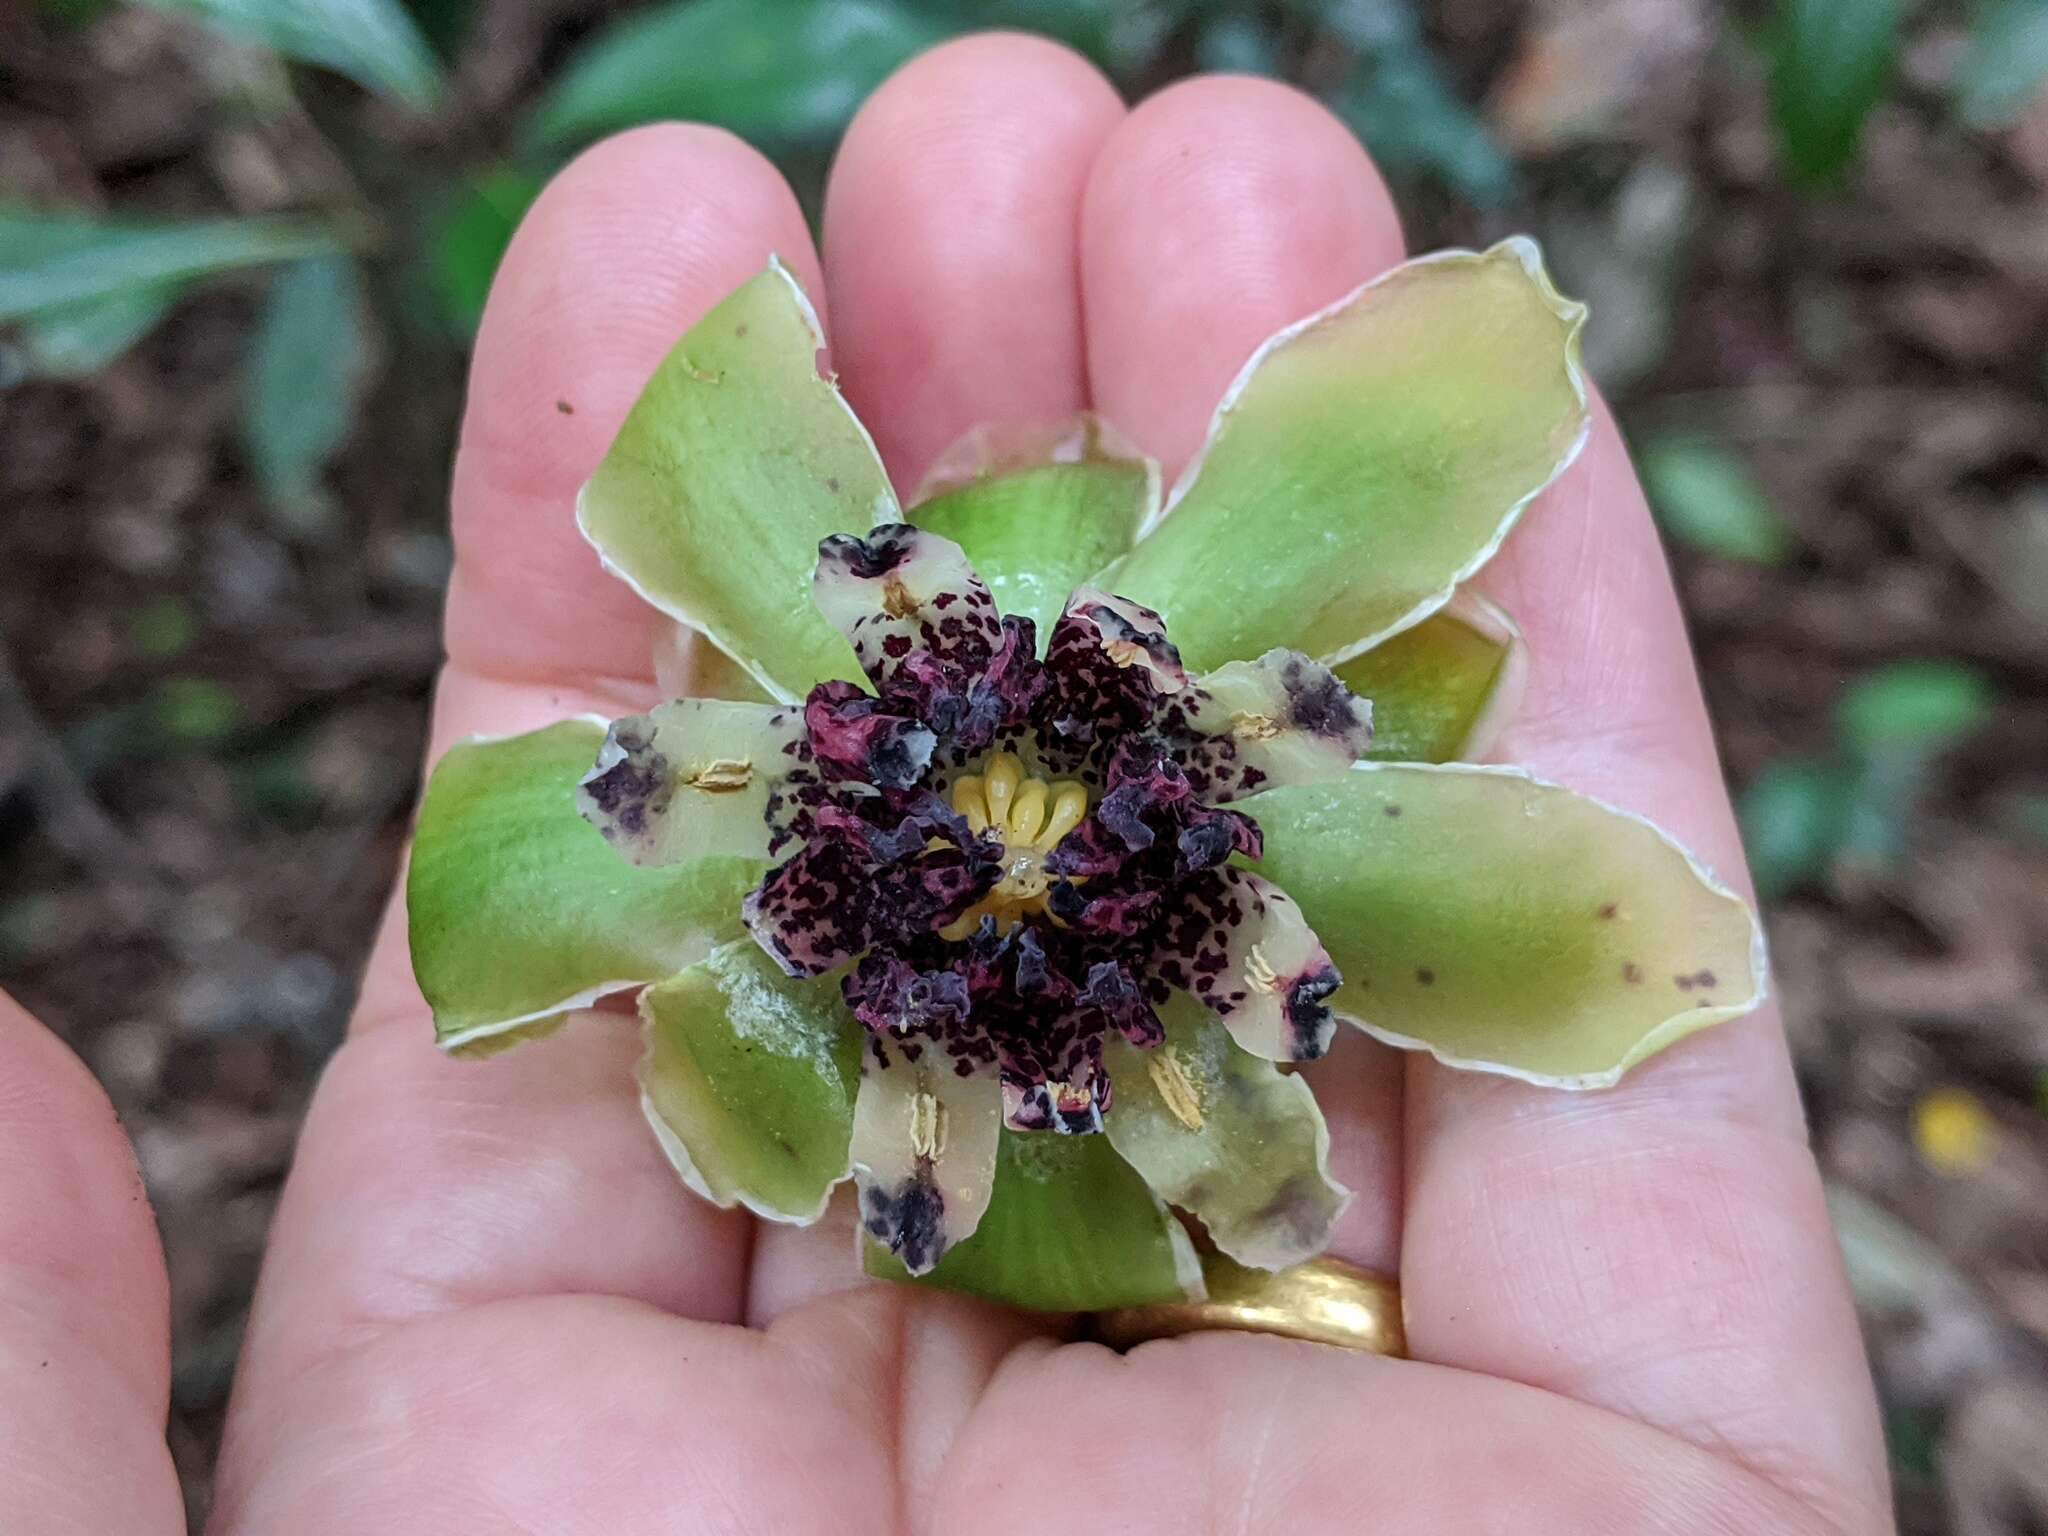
{"x":1227,"y":1137}
{"x":1368,"y":460}
{"x":1509,"y":925}
{"x":749,"y":1079}
{"x":1441,"y":691}
{"x":519,"y":909}
{"x":1039,"y":510}
{"x":1072,"y":1228}
{"x":732,"y":465}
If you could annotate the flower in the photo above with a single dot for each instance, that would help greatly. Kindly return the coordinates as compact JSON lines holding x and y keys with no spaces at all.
{"x":1010,"y":860}
{"x":1023,"y":937}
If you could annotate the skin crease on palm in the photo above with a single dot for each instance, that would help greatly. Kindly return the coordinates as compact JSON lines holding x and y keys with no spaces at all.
{"x":490,"y":1307}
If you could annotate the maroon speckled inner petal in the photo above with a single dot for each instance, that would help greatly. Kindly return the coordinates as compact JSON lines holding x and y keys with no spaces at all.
{"x":920,"y":852}
{"x":1111,"y":667}
{"x":900,"y":592}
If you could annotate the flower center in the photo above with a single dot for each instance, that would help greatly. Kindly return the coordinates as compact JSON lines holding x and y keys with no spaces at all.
{"x":1030,"y":816}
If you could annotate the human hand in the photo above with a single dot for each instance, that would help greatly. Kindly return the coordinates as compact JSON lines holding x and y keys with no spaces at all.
{"x":85,"y":1359}
{"x":488,"y":1304}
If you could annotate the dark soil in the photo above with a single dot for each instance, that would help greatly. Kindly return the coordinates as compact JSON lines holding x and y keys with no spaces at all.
{"x":187,"y":888}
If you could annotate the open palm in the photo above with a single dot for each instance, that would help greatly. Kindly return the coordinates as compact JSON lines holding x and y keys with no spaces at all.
{"x":491,"y":1307}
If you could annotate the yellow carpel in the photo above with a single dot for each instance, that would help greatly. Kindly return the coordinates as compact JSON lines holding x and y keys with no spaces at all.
{"x":999,"y":781}
{"x":969,"y":801}
{"x":1027,"y":812}
{"x":1031,"y":817}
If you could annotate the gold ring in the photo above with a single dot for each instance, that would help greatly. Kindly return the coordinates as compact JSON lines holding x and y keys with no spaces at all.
{"x":1325,"y":1301}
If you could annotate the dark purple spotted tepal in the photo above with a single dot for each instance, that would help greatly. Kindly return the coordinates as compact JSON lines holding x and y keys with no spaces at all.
{"x":1015,"y":860}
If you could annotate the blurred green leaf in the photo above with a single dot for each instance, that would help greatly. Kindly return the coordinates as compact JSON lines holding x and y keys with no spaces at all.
{"x":443,"y":23}
{"x":300,"y":393}
{"x":1877,"y":815}
{"x":1238,"y":44}
{"x":1912,"y":706}
{"x":162,"y":629}
{"x":1792,"y":819}
{"x":76,"y":13}
{"x":276,"y":784}
{"x":195,"y":711}
{"x":373,"y":42}
{"x":1401,"y":102}
{"x":472,"y":237}
{"x":49,"y":257}
{"x":1830,"y":63}
{"x":72,"y":340}
{"x":776,"y":70}
{"x":1120,"y":35}
{"x":1706,"y":497}
{"x":2006,"y":67}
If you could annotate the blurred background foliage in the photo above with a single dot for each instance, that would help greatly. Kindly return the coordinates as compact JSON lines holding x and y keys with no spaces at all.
{"x":244,"y":245}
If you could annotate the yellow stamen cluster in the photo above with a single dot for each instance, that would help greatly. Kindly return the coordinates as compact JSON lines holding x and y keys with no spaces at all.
{"x":1030,"y":816}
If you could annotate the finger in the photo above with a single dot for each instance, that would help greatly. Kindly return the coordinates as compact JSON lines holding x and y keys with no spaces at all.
{"x":424,"y":1185}
{"x":84,"y":1307}
{"x":951,"y":227}
{"x":1662,"y":1248}
{"x":628,"y":246}
{"x":950,"y":243}
{"x":1263,"y":1436}
{"x":1220,"y":211}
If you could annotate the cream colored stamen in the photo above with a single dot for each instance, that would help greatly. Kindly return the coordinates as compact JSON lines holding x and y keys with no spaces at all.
{"x":927,"y":1124}
{"x":721,"y":776}
{"x":1125,"y":653}
{"x":1175,"y":1088}
{"x":1259,"y":974}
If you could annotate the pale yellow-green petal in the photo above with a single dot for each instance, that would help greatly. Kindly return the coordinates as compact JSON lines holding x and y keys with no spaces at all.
{"x":735,"y":461}
{"x":1072,"y":1228}
{"x":1227,"y":1137}
{"x":1039,"y":510}
{"x":1442,"y":690}
{"x":693,"y":778}
{"x":519,"y":909}
{"x":1367,"y":460}
{"x":748,"y":1081}
{"x":1506,"y":924}
{"x":924,"y":1151}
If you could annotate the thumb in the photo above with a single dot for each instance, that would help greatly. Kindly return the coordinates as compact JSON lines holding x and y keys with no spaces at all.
{"x":84,"y":1310}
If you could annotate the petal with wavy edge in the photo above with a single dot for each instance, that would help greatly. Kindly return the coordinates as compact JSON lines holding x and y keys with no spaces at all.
{"x":1509,"y":925}
{"x":696,"y":777}
{"x":1039,"y":509}
{"x":748,"y":1080}
{"x":1441,"y":691}
{"x":1227,"y":1137}
{"x":1240,"y":944}
{"x":1282,"y":719}
{"x":1367,"y":460}
{"x":518,"y":908}
{"x":899,"y":589}
{"x":924,"y":1150}
{"x":732,"y":465}
{"x":1072,"y":1228}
